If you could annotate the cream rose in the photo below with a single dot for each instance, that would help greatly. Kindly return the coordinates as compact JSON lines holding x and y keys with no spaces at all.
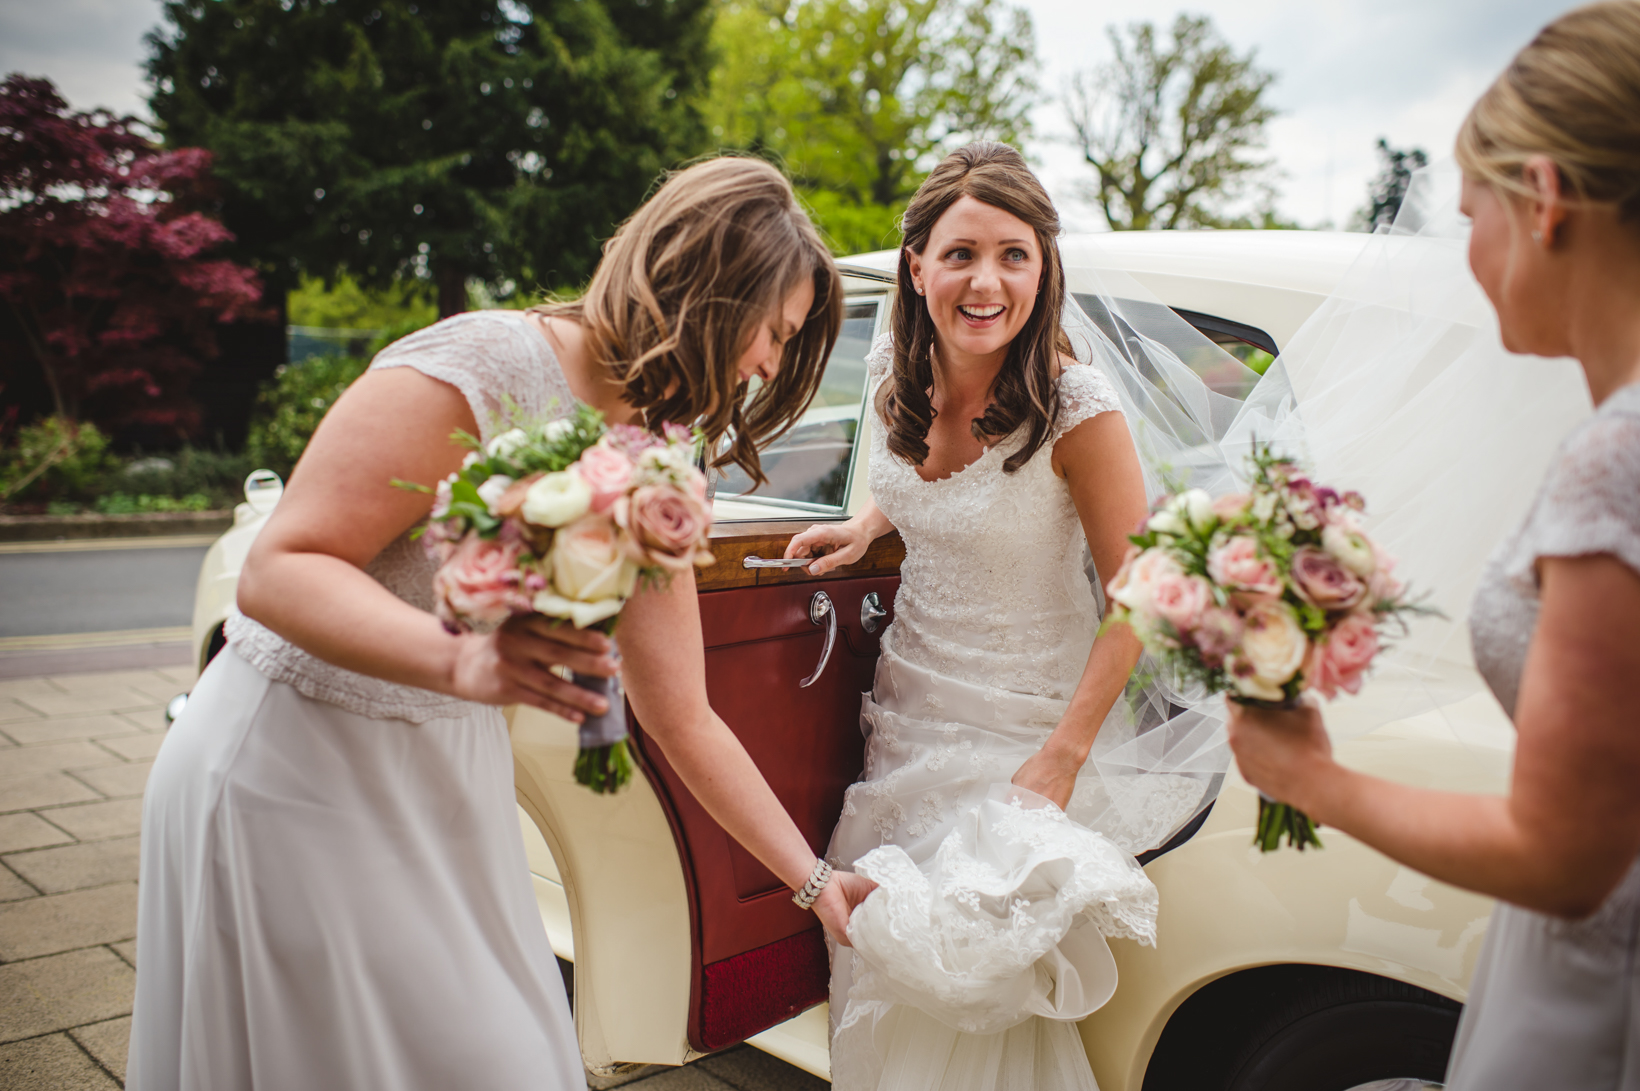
{"x":556,"y":499}
{"x":591,"y":576}
{"x":1351,"y":548}
{"x":1273,"y":646}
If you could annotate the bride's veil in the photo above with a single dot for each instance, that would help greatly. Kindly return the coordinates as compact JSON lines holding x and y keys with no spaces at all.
{"x":1398,"y":386}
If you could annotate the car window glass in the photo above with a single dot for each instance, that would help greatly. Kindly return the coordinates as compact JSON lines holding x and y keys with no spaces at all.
{"x":809,"y":465}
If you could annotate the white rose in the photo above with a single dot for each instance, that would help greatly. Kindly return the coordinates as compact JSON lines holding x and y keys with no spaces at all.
{"x":490,"y":492}
{"x":472,"y":457}
{"x":1273,"y":647}
{"x":442,"y":497}
{"x":556,"y":499}
{"x":1197,"y":507}
{"x":1351,"y":549}
{"x":1166,"y":521}
{"x":506,"y":443}
{"x":670,"y":461}
{"x":591,"y":575}
{"x":558,"y":429}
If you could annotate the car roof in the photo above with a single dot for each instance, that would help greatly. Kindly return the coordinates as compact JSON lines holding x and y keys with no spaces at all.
{"x":1271,"y":280}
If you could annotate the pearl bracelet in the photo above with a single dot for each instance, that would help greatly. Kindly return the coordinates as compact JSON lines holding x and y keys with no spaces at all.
{"x":817,"y":882}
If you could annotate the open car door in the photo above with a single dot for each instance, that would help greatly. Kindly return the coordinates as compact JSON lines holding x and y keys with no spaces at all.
{"x":787,"y":658}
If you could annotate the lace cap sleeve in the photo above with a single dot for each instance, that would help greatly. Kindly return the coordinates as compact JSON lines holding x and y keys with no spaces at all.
{"x":497,"y":359}
{"x":1084,"y":392}
{"x":1590,"y":500}
{"x":880,"y":360}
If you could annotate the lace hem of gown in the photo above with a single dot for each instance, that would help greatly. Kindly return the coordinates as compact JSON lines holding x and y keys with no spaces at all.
{"x":280,"y":660}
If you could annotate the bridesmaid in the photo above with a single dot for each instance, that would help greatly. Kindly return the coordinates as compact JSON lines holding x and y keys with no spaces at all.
{"x":334,"y":892}
{"x":1551,"y":161}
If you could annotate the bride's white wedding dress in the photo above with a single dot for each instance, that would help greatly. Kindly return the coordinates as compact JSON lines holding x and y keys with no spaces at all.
{"x":986,"y":939}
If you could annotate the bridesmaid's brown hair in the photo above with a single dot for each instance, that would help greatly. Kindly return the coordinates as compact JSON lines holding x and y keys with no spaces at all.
{"x":1025,"y":394}
{"x":681,"y":290}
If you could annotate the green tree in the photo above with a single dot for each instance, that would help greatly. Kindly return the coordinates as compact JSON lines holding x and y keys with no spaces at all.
{"x":859,"y":98}
{"x":1172,"y":128}
{"x":447,"y":139}
{"x":1386,"y":192}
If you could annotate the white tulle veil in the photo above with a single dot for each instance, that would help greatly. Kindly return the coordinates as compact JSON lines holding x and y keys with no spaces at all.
{"x":1397,"y":386}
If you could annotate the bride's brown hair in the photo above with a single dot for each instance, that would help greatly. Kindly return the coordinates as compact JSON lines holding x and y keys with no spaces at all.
{"x":681,"y":290}
{"x":1025,"y":393}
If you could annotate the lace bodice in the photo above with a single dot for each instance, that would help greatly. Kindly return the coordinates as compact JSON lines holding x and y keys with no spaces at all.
{"x":1588,"y":503}
{"x":992,"y":590}
{"x":506,"y":369}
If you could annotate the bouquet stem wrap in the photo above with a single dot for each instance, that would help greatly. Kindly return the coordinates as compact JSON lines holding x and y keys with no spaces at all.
{"x":604,"y":763}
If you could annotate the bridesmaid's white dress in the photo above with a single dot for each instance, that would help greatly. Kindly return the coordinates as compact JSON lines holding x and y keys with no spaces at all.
{"x":1556,"y":1003}
{"x":334,"y":891}
{"x":986,"y":940}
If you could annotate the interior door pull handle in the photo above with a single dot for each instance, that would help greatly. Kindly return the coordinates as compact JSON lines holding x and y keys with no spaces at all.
{"x":821,"y":613}
{"x":776,"y":562}
{"x":871,"y":612}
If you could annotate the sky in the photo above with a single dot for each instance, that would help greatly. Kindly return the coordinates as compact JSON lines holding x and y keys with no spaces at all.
{"x":1347,"y":72}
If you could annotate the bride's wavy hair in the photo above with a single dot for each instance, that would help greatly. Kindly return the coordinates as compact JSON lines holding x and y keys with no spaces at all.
{"x":1573,"y":94}
{"x":680,"y":292}
{"x":1024,"y":394}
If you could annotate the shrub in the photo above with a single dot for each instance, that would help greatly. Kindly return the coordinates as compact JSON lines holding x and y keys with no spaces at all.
{"x":291,"y":406}
{"x":54,"y":460}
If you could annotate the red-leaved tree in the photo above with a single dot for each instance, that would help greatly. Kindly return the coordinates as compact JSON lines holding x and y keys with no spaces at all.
{"x":105,"y":261}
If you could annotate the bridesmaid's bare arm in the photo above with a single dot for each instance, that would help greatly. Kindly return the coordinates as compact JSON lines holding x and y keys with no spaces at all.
{"x":303,"y":578}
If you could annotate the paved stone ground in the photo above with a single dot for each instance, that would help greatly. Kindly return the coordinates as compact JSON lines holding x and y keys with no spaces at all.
{"x":74,"y":754}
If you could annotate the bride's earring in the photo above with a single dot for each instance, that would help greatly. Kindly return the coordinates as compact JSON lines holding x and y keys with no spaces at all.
{"x":1537,"y":237}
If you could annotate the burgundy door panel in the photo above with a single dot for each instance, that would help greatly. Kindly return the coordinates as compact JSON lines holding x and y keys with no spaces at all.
{"x":758,"y":959}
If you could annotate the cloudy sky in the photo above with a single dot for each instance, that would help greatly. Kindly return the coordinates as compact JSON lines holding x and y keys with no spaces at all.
{"x":1348,"y":71}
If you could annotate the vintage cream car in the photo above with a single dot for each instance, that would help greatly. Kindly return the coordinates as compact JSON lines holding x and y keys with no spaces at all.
{"x":1320,"y":972}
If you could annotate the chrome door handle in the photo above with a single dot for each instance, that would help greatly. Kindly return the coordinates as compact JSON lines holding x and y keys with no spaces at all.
{"x":821,"y":613}
{"x":871,"y":612}
{"x":776,"y":562}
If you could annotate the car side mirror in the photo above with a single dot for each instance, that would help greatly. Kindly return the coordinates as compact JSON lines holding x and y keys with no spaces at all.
{"x":263,"y":488}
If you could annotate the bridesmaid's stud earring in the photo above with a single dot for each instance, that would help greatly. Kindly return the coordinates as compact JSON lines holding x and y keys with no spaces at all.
{"x":1537,"y":237}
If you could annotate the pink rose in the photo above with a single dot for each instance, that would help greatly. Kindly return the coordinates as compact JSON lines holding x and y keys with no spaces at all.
{"x":1232,"y":505}
{"x":665,"y":526}
{"x":607,"y":473}
{"x":1216,"y":635}
{"x":1340,"y":659}
{"x":1180,"y":599}
{"x":1322,"y":581}
{"x":1236,"y":566}
{"x":1382,"y":586}
{"x":479,"y":584}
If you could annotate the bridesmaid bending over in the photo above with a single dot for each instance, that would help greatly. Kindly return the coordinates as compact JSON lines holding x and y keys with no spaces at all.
{"x":334,"y":891}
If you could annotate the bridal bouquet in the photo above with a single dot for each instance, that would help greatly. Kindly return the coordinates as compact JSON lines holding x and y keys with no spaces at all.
{"x":1263,"y":595}
{"x":564,"y":519}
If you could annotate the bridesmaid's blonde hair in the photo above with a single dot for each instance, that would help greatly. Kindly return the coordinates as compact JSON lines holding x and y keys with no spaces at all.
{"x":681,"y":290}
{"x":1573,"y":95}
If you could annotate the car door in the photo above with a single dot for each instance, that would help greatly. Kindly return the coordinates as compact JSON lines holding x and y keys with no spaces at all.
{"x":787,"y":658}
{"x":756,"y":959}
{"x":682,"y":942}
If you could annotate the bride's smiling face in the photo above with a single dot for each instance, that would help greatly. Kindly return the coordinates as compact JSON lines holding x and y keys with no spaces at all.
{"x":979,"y":276}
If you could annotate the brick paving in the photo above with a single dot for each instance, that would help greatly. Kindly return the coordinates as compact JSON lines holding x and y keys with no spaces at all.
{"x":74,"y":754}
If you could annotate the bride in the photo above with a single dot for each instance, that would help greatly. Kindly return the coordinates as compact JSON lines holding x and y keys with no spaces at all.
{"x":996,"y":455}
